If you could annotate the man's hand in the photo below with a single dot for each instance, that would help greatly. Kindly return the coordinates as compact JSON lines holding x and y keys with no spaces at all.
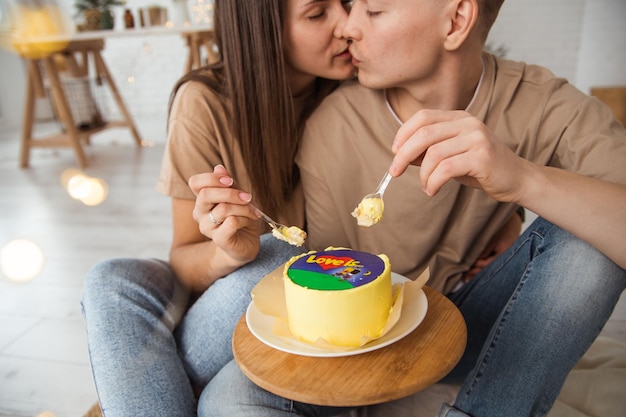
{"x":456,"y":145}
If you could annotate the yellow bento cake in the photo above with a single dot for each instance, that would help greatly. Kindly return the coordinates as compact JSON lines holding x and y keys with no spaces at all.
{"x":339,"y":295}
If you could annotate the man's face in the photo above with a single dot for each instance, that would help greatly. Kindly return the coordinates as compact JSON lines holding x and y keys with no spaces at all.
{"x":396,"y":43}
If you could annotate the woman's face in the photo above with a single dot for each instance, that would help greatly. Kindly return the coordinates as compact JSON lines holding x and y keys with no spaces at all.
{"x":313,"y":42}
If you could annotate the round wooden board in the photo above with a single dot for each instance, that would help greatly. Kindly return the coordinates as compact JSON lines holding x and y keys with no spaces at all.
{"x":403,"y":368}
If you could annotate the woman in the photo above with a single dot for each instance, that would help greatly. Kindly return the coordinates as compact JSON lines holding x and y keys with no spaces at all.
{"x":237,"y":121}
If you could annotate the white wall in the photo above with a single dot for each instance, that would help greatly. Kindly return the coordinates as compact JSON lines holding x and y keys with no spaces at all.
{"x":541,"y":32}
{"x":581,"y":40}
{"x":602,"y":57}
{"x":11,"y":89}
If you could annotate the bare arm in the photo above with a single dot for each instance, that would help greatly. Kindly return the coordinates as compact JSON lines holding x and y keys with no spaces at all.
{"x":197,"y":260}
{"x":589,"y":208}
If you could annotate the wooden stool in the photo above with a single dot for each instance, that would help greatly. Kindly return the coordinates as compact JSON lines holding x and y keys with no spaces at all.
{"x":195,"y":42}
{"x":54,"y":64}
{"x":405,"y":367}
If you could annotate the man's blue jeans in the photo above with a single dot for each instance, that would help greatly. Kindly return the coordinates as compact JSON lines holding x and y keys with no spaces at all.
{"x":148,"y":351}
{"x":531,"y":314}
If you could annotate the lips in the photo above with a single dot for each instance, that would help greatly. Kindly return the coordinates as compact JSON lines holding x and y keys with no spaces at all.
{"x":344,"y":54}
{"x":355,"y":60}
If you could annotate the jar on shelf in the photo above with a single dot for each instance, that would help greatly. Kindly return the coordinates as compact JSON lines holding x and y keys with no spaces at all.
{"x":129,"y":19}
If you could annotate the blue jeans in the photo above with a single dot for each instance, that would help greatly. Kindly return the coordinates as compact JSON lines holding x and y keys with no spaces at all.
{"x":531,"y":314}
{"x":149,"y":352}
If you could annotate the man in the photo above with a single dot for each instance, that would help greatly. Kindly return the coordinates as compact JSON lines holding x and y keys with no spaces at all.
{"x":474,"y":137}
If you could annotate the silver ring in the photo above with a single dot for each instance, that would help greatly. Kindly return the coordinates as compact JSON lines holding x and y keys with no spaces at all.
{"x":213,"y":218}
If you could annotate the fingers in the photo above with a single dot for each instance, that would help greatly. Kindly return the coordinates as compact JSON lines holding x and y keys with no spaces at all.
{"x":219,"y":178}
{"x":220,"y":209}
{"x":440,"y":149}
{"x":452,"y":145}
{"x":212,"y":189}
{"x":212,"y":219}
{"x":440,"y":165}
{"x":424,"y":129}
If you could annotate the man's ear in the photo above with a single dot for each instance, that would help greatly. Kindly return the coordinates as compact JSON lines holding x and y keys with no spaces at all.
{"x":463,"y":18}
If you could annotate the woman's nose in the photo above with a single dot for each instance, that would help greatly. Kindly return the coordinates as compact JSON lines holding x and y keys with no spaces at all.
{"x":349,"y":28}
{"x":340,"y":25}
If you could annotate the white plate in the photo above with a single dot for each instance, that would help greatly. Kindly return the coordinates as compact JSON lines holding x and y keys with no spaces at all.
{"x":411,"y":316}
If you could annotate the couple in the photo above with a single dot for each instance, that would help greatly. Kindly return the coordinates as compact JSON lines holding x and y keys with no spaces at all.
{"x":468,"y":137}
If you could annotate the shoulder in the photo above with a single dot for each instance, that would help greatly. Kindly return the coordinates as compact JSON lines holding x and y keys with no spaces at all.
{"x":527,"y":72}
{"x":198,"y":119}
{"x":539,"y":91}
{"x":528,"y":92}
{"x":521,"y":80}
{"x":194,"y":96}
{"x":549,"y":121}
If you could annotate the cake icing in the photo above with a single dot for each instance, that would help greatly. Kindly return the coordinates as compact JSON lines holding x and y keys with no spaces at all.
{"x":339,"y":295}
{"x":369,"y":211}
{"x":292,"y":234}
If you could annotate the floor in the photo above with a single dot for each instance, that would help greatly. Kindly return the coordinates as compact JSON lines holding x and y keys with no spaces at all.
{"x":44,"y":365}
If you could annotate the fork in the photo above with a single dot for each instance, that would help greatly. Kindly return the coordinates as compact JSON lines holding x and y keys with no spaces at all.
{"x":267,"y":219}
{"x":292,"y":235}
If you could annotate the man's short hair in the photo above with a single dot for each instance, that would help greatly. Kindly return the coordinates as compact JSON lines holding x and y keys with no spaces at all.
{"x":487,"y":13}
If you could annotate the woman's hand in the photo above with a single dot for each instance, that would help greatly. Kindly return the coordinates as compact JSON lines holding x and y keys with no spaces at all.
{"x":224,"y":216}
{"x":214,"y":234}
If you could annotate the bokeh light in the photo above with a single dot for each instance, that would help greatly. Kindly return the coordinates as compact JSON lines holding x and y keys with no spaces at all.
{"x":90,"y":191}
{"x":79,"y":186}
{"x":21,"y":260}
{"x":68,"y":174}
{"x":98,"y":192}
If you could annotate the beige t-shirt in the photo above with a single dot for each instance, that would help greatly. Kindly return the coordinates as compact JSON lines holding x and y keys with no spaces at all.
{"x":199,"y":138}
{"x":346,"y":150}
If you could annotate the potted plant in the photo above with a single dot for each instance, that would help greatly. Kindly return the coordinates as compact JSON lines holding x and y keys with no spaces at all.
{"x":98,"y":14}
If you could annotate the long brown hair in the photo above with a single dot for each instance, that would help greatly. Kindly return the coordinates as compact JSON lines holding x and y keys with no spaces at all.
{"x":251,"y":75}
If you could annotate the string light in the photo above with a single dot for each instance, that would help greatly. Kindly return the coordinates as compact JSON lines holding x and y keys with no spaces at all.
{"x":203,"y":12}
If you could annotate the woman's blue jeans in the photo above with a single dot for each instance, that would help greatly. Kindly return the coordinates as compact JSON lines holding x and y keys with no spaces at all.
{"x":149,"y":352}
{"x":531,"y":314}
